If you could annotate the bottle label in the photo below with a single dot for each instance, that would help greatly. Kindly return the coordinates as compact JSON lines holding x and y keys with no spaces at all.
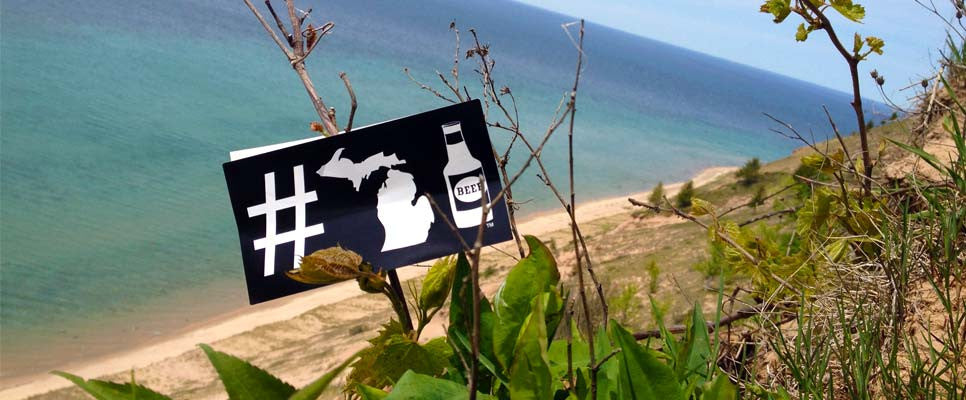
{"x":466,"y":189}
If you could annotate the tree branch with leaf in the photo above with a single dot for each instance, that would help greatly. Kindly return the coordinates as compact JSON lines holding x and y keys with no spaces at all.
{"x":815,"y":16}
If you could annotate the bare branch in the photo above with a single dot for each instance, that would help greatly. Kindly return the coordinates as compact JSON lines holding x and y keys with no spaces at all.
{"x":427,"y":88}
{"x":268,"y":29}
{"x":728,"y":211}
{"x":352,"y":98}
{"x":769,"y":215}
{"x":298,"y":48}
{"x":278,"y":22}
{"x":743,"y":313}
{"x":319,"y":33}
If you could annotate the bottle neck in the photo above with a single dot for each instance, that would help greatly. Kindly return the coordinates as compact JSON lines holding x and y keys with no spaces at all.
{"x":458,"y":151}
{"x":455,"y":145}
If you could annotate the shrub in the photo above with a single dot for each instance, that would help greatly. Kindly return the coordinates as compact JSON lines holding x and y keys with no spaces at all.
{"x":657,"y":194}
{"x":683,"y":199}
{"x":653,"y":272}
{"x":750,"y":172}
{"x":759,"y":197}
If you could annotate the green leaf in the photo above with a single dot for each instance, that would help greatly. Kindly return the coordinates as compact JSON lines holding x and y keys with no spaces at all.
{"x":530,"y":376}
{"x":857,"y":44}
{"x":929,"y":158}
{"x":780,"y":9}
{"x":104,"y":390}
{"x":875,"y":44}
{"x":854,"y":12}
{"x":244,"y":381}
{"x":701,"y":207}
{"x":464,"y":347}
{"x":695,"y":354}
{"x":313,"y":390}
{"x":643,"y":376}
{"x":535,"y":274}
{"x":608,"y":376}
{"x":367,"y":392}
{"x":437,"y":283}
{"x":385,"y":363}
{"x":461,"y":319}
{"x":557,"y":358}
{"x":836,"y":249}
{"x":802,"y":34}
{"x":366,"y":369}
{"x":721,"y":389}
{"x":814,"y":161}
{"x":415,"y":386}
{"x":670,"y":345}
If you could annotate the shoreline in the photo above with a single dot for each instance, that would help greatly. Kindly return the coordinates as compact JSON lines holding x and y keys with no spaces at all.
{"x":248,"y":318}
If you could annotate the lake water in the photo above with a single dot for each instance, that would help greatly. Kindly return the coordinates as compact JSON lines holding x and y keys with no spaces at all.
{"x":115,"y":119}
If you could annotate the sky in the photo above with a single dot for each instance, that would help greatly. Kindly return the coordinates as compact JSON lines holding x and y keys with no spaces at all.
{"x":735,"y":30}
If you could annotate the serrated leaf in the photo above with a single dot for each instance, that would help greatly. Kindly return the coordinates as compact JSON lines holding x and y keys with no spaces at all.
{"x":813,"y":161}
{"x":857,"y":44}
{"x":642,"y":376}
{"x":383,"y":364}
{"x":701,"y":207}
{"x":104,"y":390}
{"x":364,"y":370}
{"x":780,"y":9}
{"x":875,"y":44}
{"x":244,"y":381}
{"x":848,"y":9}
{"x":437,"y":283}
{"x":802,"y":33}
{"x":313,"y":390}
{"x":326,"y":266}
{"x":415,"y":386}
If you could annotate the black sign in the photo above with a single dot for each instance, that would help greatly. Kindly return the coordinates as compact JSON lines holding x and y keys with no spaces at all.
{"x":366,"y":191}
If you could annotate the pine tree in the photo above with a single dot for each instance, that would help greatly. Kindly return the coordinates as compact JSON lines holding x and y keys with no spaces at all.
{"x":759,"y":197}
{"x":683,"y":199}
{"x":750,"y":172}
{"x":657,"y":194}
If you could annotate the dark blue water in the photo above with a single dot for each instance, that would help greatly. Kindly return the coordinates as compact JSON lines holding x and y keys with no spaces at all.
{"x":115,"y":118}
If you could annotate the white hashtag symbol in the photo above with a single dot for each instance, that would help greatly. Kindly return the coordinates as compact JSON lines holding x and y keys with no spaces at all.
{"x":271,"y":207}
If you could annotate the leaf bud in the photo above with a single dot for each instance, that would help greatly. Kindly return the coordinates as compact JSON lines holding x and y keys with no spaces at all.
{"x":327,"y":266}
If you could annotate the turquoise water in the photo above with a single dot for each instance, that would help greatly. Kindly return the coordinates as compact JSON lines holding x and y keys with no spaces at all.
{"x":114,"y":122}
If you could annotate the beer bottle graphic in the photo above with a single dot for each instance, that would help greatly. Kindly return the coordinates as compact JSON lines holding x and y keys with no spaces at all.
{"x":462,"y":174}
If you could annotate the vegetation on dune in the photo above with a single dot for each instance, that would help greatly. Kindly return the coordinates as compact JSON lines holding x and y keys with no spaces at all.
{"x":820,"y":279}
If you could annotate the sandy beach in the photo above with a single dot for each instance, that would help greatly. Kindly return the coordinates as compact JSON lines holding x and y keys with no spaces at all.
{"x":338,"y":318}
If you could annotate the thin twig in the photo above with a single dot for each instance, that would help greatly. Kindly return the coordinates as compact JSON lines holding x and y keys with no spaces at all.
{"x":769,"y":215}
{"x":278,"y":22}
{"x":426,"y":87}
{"x":268,"y":29}
{"x":743,"y":313}
{"x":763,"y":199}
{"x":475,"y":278}
{"x":572,"y":211}
{"x":352,"y":98}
